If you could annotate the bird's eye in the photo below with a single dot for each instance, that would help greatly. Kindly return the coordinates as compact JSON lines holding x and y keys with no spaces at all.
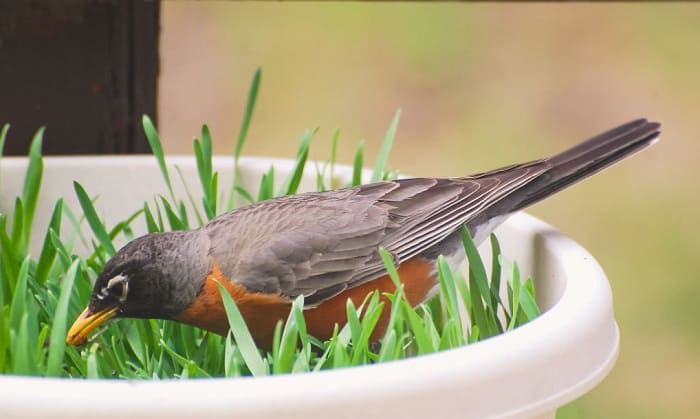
{"x":117,"y":287}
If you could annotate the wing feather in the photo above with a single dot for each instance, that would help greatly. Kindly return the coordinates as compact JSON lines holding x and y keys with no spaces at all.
{"x":319,"y":244}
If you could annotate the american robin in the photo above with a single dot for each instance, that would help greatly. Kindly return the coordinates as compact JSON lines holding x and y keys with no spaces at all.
{"x":324,"y":245}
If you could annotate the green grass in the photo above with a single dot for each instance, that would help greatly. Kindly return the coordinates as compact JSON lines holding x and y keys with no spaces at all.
{"x":39,"y":298}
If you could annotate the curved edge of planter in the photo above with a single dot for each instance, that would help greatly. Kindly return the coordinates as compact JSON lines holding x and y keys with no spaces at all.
{"x":579,"y":324}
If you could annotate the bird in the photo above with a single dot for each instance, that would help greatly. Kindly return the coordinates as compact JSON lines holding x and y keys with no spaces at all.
{"x":324,"y":246}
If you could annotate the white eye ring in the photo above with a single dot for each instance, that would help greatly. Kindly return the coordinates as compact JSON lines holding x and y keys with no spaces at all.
{"x":104,"y":292}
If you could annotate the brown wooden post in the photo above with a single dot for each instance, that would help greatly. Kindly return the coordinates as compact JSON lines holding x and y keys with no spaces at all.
{"x":86,"y":69}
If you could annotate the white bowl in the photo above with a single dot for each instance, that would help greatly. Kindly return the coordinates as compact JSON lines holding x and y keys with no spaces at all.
{"x":528,"y":372}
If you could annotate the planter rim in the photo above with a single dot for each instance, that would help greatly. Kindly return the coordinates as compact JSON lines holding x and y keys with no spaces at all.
{"x":527,"y":358}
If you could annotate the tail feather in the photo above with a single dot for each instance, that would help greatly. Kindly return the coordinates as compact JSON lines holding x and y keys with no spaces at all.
{"x":582,"y":161}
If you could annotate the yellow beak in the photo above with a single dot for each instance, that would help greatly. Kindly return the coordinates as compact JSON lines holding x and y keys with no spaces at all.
{"x":85,"y":323}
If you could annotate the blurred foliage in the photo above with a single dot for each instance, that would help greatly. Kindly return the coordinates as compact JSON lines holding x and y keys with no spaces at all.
{"x":484,"y":85}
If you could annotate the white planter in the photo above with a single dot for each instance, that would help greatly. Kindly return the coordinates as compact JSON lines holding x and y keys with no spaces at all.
{"x":528,"y":372}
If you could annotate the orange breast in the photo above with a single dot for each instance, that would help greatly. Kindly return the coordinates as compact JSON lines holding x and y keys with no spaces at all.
{"x":262,"y":311}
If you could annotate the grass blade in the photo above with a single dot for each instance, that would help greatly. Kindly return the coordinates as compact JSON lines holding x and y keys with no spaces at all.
{"x":59,"y":326}
{"x":334,"y":151}
{"x":418,"y":328}
{"x":477,"y":305}
{"x":4,"y":339}
{"x":21,"y":344}
{"x":476,"y":267}
{"x":175,"y":222}
{"x":206,"y":157}
{"x":98,"y":228}
{"x":48,"y":251}
{"x":8,"y":256}
{"x":245,"y":194}
{"x":193,"y":204}
{"x":18,"y":306}
{"x":32,"y":184}
{"x":248,"y":115}
{"x":495,"y":272}
{"x":157,"y":150}
{"x":150,"y":221}
{"x":203,"y":154}
{"x":183,"y":214}
{"x":449,"y":292}
{"x":395,"y":319}
{"x":383,"y":156}
{"x":243,"y":133}
{"x":93,"y":370}
{"x":213,"y":188}
{"x":267,"y":185}
{"x":298,"y":312}
{"x":185,"y":363}
{"x":241,"y":334}
{"x":390,"y":265}
{"x":3,"y":137}
{"x":527,"y":300}
{"x":358,"y":164}
{"x":290,"y":339}
{"x":17,"y":231}
{"x":473,"y":334}
{"x":515,"y":287}
{"x":61,"y":251}
{"x":370,"y":318}
{"x":291,"y":184}
{"x":353,"y":320}
{"x":321,"y":177}
{"x":388,"y":350}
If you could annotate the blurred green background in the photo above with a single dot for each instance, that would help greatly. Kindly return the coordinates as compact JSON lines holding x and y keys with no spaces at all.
{"x":480,"y":86}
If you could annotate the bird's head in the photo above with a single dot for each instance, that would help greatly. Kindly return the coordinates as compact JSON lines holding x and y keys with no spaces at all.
{"x":155,"y":276}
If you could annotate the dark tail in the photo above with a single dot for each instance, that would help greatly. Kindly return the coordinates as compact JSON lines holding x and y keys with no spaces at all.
{"x":586,"y":159}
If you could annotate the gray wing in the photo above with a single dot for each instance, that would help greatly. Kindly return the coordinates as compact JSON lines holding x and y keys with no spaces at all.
{"x":319,"y":244}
